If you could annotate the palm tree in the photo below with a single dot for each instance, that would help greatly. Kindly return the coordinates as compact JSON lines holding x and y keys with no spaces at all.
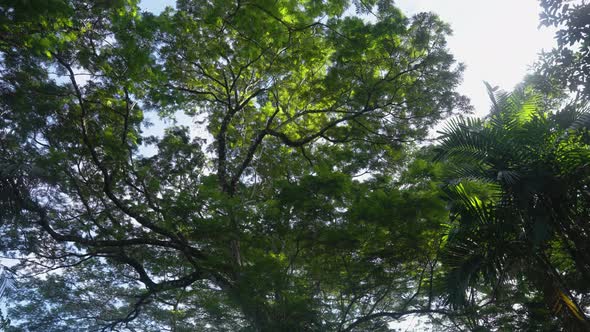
{"x":536,"y":226}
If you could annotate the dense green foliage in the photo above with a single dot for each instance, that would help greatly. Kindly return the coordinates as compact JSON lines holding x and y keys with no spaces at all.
{"x":527,"y":229}
{"x":264,"y":227}
{"x":303,"y":197}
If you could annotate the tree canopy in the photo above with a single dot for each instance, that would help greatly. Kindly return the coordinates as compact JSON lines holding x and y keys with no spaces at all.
{"x":305,"y":194}
{"x":263,"y":227}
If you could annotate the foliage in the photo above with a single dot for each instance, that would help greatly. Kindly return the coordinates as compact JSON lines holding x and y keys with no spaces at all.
{"x":259,"y":225}
{"x":528,"y":235}
{"x":569,"y":62}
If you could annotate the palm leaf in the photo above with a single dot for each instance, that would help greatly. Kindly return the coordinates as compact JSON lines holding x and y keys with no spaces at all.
{"x":461,"y":138}
{"x":479,"y":246}
{"x":582,"y":120}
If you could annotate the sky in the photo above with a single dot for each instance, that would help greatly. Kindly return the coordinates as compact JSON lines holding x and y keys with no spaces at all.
{"x":497,"y":40}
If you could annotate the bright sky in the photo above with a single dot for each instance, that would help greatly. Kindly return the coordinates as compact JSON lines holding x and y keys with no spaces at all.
{"x":497,"y":40}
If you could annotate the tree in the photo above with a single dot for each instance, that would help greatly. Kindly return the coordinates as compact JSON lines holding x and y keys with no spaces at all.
{"x":529,"y":235}
{"x":569,"y":63}
{"x":263,"y":227}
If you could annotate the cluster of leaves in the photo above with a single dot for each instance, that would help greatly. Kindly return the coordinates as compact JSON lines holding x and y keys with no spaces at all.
{"x":569,"y":63}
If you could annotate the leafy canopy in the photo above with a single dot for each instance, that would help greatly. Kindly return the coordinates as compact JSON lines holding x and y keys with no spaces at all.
{"x":259,"y":222}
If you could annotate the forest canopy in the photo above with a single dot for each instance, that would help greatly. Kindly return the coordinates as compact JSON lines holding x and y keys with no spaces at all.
{"x":306,"y":193}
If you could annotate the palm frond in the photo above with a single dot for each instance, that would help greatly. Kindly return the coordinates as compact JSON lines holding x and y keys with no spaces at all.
{"x":497,"y":97}
{"x":582,"y":120}
{"x":508,"y":177}
{"x":480,"y":247}
{"x":462,"y":138}
{"x":573,"y":118}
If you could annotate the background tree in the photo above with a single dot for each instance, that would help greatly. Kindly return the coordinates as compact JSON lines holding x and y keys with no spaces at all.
{"x":262,"y":228}
{"x":569,"y":63}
